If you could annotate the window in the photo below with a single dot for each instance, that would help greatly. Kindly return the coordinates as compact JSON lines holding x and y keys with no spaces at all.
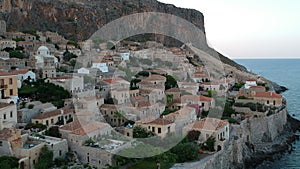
{"x":11,"y":114}
{"x":1,"y":143}
{"x":11,"y":91}
{"x":159,"y":130}
{"x":268,"y":101}
{"x":59,"y":152}
{"x":52,"y":121}
{"x":10,"y":81}
{"x":4,"y":116}
{"x":153,"y":129}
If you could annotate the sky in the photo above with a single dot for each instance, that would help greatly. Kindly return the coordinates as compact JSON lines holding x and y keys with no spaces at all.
{"x":250,"y":28}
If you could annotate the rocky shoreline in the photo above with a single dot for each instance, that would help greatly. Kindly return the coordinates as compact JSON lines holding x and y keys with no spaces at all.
{"x":269,"y":153}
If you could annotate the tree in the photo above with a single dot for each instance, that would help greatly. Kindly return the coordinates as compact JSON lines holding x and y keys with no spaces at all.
{"x":44,"y":92}
{"x":53,"y":131}
{"x":9,"y":162}
{"x":45,"y":159}
{"x":185,"y":151}
{"x":210,"y":142}
{"x":67,"y":56}
{"x":170,"y":82}
{"x":140,"y":132}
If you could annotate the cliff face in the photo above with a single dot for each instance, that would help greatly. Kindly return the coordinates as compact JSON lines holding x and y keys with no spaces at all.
{"x":59,"y":16}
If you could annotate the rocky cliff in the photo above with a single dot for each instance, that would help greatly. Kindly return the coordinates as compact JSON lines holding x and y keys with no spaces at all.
{"x":59,"y":16}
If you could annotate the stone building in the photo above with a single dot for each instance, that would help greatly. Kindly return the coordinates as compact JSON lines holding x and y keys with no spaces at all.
{"x":8,"y":115}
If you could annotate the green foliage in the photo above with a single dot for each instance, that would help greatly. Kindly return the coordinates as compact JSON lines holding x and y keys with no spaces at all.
{"x":212,"y":93}
{"x":16,"y":54}
{"x":133,"y":83}
{"x":74,"y":44}
{"x":44,"y":92}
{"x":243,"y":97}
{"x":67,"y":56}
{"x":18,"y":39}
{"x":185,"y":152}
{"x":32,"y":32}
{"x":146,"y":62}
{"x":229,"y":119}
{"x":30,"y":106}
{"x":210,"y":142}
{"x":8,"y":162}
{"x":168,"y":111}
{"x":45,"y":159}
{"x":60,"y":162}
{"x":171,"y":82}
{"x":238,"y":85}
{"x":144,"y":73}
{"x":140,"y":132}
{"x":228,"y":110}
{"x":53,"y":132}
{"x":36,"y":126}
{"x":110,"y":101}
{"x":56,"y":47}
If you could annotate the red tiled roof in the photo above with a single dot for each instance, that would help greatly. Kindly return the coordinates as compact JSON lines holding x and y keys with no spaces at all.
{"x":22,"y":71}
{"x":90,"y":127}
{"x":205,"y":99}
{"x":173,"y":90}
{"x":113,"y":80}
{"x":208,"y":124}
{"x":53,"y":113}
{"x":267,"y":95}
{"x":154,"y":78}
{"x":160,"y":121}
{"x":2,"y":73}
{"x":61,"y":77}
{"x":74,"y":125}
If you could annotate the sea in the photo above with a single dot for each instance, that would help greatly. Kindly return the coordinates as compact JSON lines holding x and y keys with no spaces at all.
{"x":285,"y":72}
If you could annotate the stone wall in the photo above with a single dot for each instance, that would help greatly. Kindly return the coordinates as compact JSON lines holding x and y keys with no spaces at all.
{"x":252,"y":131}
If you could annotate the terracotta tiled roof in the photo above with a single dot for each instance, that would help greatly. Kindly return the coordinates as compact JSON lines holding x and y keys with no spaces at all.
{"x":154,"y":78}
{"x":267,"y":95}
{"x":144,"y":104}
{"x":173,"y":90}
{"x":146,"y":120}
{"x":251,"y":80}
{"x":90,"y":127}
{"x":160,"y":121}
{"x":205,"y":99}
{"x":74,"y":125}
{"x":108,"y":106}
{"x":22,"y":71}
{"x":114,"y":80}
{"x":61,"y":77}
{"x":2,"y":73}
{"x":211,"y":124}
{"x":53,"y":113}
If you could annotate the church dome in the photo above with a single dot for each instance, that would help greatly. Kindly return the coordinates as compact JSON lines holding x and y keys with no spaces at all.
{"x":43,"y":48}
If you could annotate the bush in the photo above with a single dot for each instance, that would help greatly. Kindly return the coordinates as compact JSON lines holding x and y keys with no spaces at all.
{"x":45,"y":159}
{"x":30,"y":106}
{"x":185,"y":152}
{"x":53,"y":132}
{"x":9,"y":162}
{"x":210,"y":142}
{"x":140,"y":132}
